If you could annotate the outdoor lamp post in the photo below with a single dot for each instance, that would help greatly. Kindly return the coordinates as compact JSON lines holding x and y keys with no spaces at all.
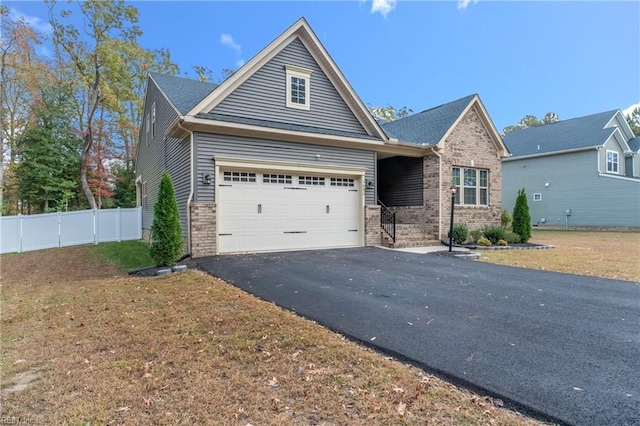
{"x":453,"y":203}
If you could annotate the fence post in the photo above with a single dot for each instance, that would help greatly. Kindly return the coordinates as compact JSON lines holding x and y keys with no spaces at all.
{"x":59,"y":229}
{"x":19,"y":225}
{"x":95,"y":226}
{"x":118,"y":221}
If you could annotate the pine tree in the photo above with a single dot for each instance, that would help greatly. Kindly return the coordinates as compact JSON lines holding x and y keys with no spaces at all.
{"x":521,"y":221}
{"x":166,"y":233}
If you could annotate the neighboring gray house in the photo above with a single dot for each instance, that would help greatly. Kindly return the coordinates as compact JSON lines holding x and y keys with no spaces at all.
{"x":582,"y":172}
{"x":284,"y":155}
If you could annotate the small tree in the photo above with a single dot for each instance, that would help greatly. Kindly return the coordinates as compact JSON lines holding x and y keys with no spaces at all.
{"x":521,"y":222}
{"x":505,"y":219}
{"x":166,"y":233}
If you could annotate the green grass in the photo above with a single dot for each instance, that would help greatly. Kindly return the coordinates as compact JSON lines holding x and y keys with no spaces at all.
{"x":126,"y":254}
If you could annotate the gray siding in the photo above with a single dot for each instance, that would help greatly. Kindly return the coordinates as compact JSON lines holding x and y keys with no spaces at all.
{"x":400,"y":181}
{"x":263,"y":95}
{"x":210,"y":145}
{"x":573,"y":184}
{"x":162,"y":153}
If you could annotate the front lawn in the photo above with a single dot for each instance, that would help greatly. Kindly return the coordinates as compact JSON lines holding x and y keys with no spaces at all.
{"x":600,"y":254}
{"x":83,"y":344}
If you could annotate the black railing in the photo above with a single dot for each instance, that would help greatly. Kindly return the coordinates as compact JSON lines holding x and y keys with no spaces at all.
{"x":388,"y":220}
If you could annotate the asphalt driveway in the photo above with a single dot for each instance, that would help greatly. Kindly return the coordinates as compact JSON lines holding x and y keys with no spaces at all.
{"x":561,"y":346}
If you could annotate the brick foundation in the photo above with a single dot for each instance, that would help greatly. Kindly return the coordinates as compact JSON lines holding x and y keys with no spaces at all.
{"x":372,"y":225}
{"x":203,"y":229}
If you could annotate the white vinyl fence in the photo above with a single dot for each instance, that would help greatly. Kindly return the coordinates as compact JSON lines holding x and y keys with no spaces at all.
{"x":40,"y":231}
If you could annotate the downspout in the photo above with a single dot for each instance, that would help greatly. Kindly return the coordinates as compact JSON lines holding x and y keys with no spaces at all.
{"x":433,"y":149}
{"x":598,"y":149}
{"x":191,"y":185}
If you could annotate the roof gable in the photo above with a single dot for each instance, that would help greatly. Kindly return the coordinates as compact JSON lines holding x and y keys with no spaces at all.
{"x":432,"y":126}
{"x":263,"y":94}
{"x":302,"y":31}
{"x":567,"y":135}
{"x":183,"y":93}
{"x":429,"y":126}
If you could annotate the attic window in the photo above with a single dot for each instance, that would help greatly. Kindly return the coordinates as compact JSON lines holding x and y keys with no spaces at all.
{"x":612,"y":161}
{"x":298,"y":87}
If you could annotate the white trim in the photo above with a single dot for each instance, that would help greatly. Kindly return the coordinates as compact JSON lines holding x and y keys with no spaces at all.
{"x":259,"y":132}
{"x":613,"y":176}
{"x":153,"y":120}
{"x":617,"y":162}
{"x":546,"y":154}
{"x":303,"y":74}
{"x":255,"y":164}
{"x":215,"y":126}
{"x":622,"y":120}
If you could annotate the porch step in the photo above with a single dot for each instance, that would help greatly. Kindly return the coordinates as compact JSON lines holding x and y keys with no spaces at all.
{"x":408,"y":235}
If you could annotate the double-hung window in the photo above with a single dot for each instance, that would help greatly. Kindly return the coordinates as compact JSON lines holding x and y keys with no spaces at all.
{"x":612,"y":162}
{"x":473,"y":186}
{"x":298,"y":87}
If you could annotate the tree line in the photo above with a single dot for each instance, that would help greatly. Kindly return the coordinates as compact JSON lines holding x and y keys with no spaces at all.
{"x":72,"y":100}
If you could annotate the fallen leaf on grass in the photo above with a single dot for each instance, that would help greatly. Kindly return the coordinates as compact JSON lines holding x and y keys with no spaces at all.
{"x":273,"y":383}
{"x":122,"y":409}
{"x":401,"y":408}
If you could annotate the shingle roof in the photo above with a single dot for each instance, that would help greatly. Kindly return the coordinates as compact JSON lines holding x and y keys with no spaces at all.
{"x":429,"y":126}
{"x":184,"y":93}
{"x":634,"y":144}
{"x":575,"y":133}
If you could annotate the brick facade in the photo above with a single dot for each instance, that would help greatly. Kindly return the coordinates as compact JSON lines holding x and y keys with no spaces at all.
{"x":372,"y":236}
{"x":203,"y":229}
{"x":471,"y":145}
{"x":468,"y":145}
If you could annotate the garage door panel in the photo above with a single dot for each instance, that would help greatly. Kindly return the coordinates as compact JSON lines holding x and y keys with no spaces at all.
{"x":269,"y":214}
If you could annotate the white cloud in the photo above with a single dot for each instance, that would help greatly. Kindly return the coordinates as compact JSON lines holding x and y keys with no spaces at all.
{"x":239,"y":63}
{"x":227,"y":40}
{"x":629,"y":110}
{"x":383,"y":6}
{"x":32,"y":21}
{"x":462,"y":4}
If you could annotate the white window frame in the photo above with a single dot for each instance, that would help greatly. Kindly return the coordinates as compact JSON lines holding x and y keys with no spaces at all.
{"x":537,"y":196}
{"x":616,"y":163}
{"x":301,"y":73}
{"x":459,"y":197}
{"x":153,"y":120}
{"x":144,"y":195}
{"x":146,"y":134}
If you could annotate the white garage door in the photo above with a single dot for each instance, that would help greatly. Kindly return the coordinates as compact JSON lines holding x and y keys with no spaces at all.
{"x":264,"y":211}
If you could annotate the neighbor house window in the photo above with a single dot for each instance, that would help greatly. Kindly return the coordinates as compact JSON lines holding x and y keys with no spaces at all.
{"x":298,"y":87}
{"x":153,"y":120}
{"x":612,"y":161}
{"x":473,"y":186}
{"x":537,"y":196}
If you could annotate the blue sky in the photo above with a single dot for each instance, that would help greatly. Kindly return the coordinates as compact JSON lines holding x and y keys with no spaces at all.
{"x":573,"y":58}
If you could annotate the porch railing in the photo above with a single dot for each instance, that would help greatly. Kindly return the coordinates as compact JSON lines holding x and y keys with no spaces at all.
{"x":388,"y":220}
